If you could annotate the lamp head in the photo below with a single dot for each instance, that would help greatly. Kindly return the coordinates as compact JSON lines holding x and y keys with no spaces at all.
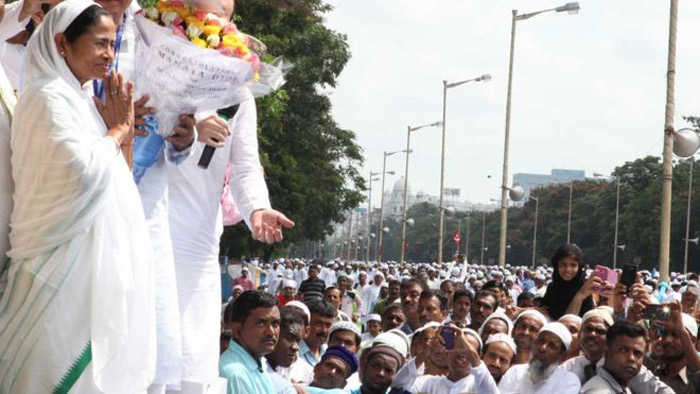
{"x":385,"y":230}
{"x":410,"y":222}
{"x":516,"y":193}
{"x":571,"y":8}
{"x":449,"y":210}
{"x":686,"y":142}
{"x":484,"y":78}
{"x":391,"y":172}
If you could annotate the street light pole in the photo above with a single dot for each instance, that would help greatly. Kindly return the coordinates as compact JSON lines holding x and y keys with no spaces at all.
{"x":466,"y":242}
{"x":380,"y":233}
{"x":687,"y":215}
{"x":665,"y":233}
{"x":405,"y":186}
{"x":441,"y":210}
{"x":617,"y":221}
{"x":534,"y":235}
{"x":369,"y":214}
{"x":568,"y":222}
{"x":483,"y":234}
{"x":570,"y":8}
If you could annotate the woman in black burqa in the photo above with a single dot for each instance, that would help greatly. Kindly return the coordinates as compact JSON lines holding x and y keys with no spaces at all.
{"x":569,"y":292}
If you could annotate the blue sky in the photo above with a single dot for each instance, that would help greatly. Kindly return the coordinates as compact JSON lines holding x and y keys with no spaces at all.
{"x":589,"y":89}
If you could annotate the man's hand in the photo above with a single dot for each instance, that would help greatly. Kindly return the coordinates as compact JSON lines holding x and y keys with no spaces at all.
{"x":33,"y":7}
{"x":141,"y":110}
{"x":183,"y":134}
{"x":213,"y":131}
{"x":267,"y":225}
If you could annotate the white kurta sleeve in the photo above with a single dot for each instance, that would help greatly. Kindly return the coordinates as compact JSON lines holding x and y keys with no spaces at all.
{"x":483,"y":380}
{"x":10,"y":24}
{"x":247,"y":179}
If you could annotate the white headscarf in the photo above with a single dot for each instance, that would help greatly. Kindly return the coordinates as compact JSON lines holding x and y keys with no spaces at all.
{"x":43,"y":59}
{"x":78,"y":231}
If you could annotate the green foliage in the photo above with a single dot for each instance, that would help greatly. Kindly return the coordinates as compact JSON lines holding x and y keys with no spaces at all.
{"x":310,"y":163}
{"x":592,"y":222}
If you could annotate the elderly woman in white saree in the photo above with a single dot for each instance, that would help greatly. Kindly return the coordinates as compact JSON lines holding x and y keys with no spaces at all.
{"x":77,"y":313}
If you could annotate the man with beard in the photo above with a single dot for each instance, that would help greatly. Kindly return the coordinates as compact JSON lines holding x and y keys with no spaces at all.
{"x":499,"y":350}
{"x":465,"y":371}
{"x":432,"y":306}
{"x":680,"y":363}
{"x":350,"y":302}
{"x":410,"y":292}
{"x":447,"y":288}
{"x":626,"y":343}
{"x":255,"y":330}
{"x":332,"y":372}
{"x":393,"y":295}
{"x":292,"y":324}
{"x":393,"y":317}
{"x":592,"y":339}
{"x":485,"y":303}
{"x":525,"y":329}
{"x":542,"y":375}
{"x":461,"y":303}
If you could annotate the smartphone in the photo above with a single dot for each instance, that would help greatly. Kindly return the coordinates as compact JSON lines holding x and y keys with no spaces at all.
{"x":657,"y":312}
{"x":629,"y":275}
{"x":448,"y":336}
{"x":605,"y":273}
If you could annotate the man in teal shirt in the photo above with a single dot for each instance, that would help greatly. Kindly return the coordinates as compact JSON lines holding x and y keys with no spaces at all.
{"x":256,"y":329}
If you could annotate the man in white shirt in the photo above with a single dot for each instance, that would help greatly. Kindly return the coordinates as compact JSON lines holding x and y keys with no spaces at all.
{"x":370,"y":294}
{"x":543,"y":375}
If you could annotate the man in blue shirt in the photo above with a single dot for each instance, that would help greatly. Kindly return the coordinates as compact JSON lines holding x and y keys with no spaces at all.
{"x":322,"y":318}
{"x":256,"y":329}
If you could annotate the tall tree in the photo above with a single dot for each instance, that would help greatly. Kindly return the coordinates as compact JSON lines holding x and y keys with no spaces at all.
{"x":310,"y":162}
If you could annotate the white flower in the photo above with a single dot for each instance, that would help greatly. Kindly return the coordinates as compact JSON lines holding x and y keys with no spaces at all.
{"x":152,"y":13}
{"x":193,"y":31}
{"x":168,"y":17}
{"x":213,"y":40}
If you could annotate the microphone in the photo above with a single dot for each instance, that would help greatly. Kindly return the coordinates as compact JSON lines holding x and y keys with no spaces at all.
{"x":208,"y":153}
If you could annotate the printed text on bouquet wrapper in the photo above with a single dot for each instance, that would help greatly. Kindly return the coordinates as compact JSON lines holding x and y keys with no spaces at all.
{"x":199,"y":75}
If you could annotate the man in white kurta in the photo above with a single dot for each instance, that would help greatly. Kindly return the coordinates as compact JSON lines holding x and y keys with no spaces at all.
{"x":196,"y":226}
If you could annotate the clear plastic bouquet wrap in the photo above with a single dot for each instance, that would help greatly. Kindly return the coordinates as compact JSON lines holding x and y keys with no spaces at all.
{"x":192,"y":61}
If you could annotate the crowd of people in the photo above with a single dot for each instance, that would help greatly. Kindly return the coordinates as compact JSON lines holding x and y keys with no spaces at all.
{"x":112,"y":282}
{"x":372,"y":328}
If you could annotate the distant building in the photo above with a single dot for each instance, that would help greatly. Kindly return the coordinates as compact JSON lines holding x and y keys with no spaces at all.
{"x":557,"y":176}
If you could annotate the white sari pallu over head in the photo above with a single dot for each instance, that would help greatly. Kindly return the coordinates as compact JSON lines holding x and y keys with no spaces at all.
{"x":77,"y":313}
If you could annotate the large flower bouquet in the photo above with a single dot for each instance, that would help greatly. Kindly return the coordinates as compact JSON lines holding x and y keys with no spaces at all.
{"x":193,"y":61}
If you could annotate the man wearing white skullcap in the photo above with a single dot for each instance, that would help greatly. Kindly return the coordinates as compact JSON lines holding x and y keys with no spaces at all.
{"x":374,"y":327}
{"x":573,"y":323}
{"x":465,"y":371}
{"x":525,"y":329}
{"x":543,"y":374}
{"x":679,"y":362}
{"x":499,"y":350}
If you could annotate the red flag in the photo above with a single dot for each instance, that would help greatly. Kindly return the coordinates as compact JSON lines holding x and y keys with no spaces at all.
{"x":456,"y":238}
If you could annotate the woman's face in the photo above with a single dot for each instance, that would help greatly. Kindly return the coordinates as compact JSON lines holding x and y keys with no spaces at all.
{"x":91,"y":54}
{"x":568,"y":268}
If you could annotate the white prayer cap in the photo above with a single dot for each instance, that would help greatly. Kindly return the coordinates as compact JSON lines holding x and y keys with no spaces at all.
{"x":245,"y":269}
{"x":500,"y":337}
{"x":303,"y":307}
{"x":288,"y":274}
{"x":693,"y":288}
{"x":396,"y":339}
{"x":346,"y":326}
{"x":559,"y":330}
{"x":470,"y":332}
{"x":601,"y":313}
{"x":289,"y":283}
{"x":455,"y":271}
{"x":532,"y":313}
{"x":540,"y":277}
{"x":690,"y":324}
{"x":427,"y":326}
{"x":384,"y":284}
{"x":501,"y":316}
{"x":374,"y":317}
{"x":572,"y":317}
{"x":378,"y":273}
